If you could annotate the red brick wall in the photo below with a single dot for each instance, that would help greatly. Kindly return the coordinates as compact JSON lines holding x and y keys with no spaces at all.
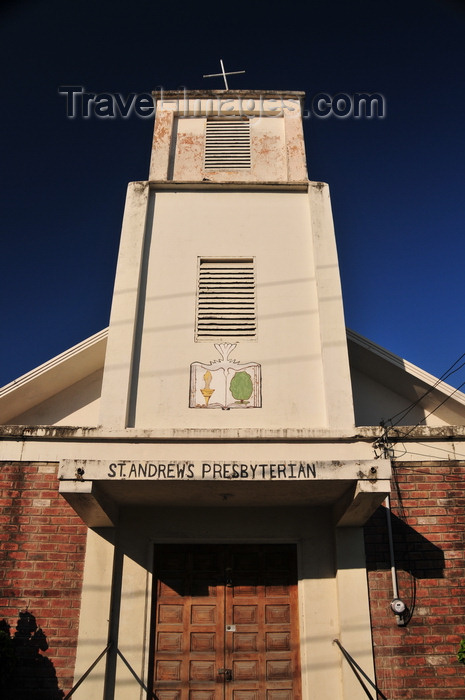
{"x":42,"y":548}
{"x":418,"y":661}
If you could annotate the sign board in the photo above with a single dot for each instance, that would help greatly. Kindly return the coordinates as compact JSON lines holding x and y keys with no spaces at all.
{"x":208,"y":470}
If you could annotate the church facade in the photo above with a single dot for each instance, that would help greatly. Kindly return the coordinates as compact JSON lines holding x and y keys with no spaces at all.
{"x":195,"y":495}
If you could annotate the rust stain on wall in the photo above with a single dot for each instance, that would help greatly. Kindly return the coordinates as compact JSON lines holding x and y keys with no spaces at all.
{"x":189,"y":156}
{"x":266,"y":146}
{"x":162,"y":127}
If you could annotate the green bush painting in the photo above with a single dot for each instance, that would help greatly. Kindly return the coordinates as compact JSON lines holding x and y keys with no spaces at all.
{"x":241,"y":386}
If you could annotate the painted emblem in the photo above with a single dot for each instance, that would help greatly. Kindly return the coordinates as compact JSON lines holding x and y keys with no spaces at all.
{"x":225,"y":383}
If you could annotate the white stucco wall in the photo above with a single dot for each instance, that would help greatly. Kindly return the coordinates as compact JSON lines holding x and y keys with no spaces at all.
{"x":374,"y":402}
{"x":78,"y":404}
{"x":273,"y":229}
{"x":304,"y":364}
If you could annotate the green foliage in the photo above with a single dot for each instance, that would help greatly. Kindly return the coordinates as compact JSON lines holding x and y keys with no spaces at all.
{"x":461,"y":652}
{"x":241,"y":386}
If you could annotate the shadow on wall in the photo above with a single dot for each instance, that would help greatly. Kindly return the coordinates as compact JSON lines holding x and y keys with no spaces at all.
{"x":24,"y":672}
{"x":413,"y":552}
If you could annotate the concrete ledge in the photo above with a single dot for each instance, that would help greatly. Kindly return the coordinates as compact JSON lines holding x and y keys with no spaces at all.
{"x":304,"y":435}
{"x":92,"y":506}
{"x":235,"y":185}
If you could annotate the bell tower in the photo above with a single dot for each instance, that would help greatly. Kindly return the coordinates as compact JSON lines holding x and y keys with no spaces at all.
{"x":227,"y":309}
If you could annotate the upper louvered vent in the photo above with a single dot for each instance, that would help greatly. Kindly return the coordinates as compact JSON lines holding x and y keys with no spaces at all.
{"x":227,"y":144}
{"x":226,"y":299}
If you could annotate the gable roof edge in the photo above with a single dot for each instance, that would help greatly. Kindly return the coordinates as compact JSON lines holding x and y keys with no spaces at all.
{"x":398,"y":363}
{"x":53,"y":376}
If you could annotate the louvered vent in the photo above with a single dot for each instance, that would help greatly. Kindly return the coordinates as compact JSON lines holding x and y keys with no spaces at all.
{"x":226,"y":299}
{"x":227,"y":144}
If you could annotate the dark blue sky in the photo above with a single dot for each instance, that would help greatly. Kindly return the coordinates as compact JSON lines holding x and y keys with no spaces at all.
{"x":397,"y":183}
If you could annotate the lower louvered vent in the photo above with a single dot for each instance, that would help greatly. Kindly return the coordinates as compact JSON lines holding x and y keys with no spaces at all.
{"x":226,"y":300}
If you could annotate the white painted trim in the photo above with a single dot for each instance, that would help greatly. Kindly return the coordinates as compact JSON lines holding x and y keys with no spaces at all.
{"x":118,"y":373}
{"x":336,"y":371}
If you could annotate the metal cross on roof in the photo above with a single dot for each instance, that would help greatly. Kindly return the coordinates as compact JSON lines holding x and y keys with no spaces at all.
{"x":224,"y":74}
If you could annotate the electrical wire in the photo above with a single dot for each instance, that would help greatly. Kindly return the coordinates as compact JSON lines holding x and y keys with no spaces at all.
{"x":457,"y":455}
{"x":424,"y":455}
{"x":402,"y":437}
{"x":385,"y":442}
{"x":445,"y":375}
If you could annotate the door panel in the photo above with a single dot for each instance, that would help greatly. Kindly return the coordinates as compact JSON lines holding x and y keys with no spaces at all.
{"x":189,"y":618}
{"x":261,"y":604}
{"x":226,"y":623}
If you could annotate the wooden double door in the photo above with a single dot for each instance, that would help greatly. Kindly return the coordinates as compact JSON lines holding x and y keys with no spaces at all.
{"x":226,"y":623}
